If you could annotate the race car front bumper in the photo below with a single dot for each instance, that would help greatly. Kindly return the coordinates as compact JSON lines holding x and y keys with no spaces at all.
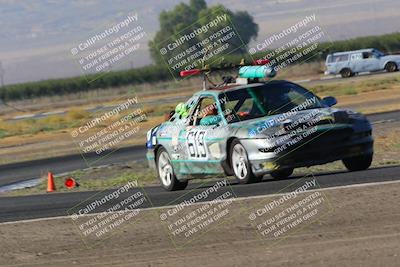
{"x":316,"y":149}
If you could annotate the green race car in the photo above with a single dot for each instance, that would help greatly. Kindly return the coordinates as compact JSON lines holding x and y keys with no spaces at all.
{"x":256,"y":128}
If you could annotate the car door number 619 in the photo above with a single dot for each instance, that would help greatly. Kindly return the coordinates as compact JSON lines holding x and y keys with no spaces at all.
{"x":196,"y":145}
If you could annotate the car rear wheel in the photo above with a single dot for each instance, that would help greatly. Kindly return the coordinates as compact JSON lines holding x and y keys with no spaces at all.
{"x":346,"y":73}
{"x":240,"y":164}
{"x":166,"y":172}
{"x":391,"y":67}
{"x":358,"y":163}
{"x":282,"y":174}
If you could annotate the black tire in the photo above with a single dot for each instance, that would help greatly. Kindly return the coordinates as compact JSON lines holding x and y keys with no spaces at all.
{"x":174,"y":184}
{"x":346,"y":73}
{"x":391,"y":67}
{"x":281,"y":174}
{"x":358,"y":163}
{"x":241,"y":176}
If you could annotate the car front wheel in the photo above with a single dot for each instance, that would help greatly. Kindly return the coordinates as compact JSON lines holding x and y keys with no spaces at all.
{"x":166,"y":172}
{"x":240,"y":164}
{"x":391,"y":67}
{"x":358,"y":163}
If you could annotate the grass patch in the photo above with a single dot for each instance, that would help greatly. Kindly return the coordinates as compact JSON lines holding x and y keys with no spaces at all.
{"x":350,"y":91}
{"x":352,"y":87}
{"x":35,"y":126}
{"x":74,"y":118}
{"x":397,"y":146}
{"x":78,"y":114}
{"x":3,"y":133}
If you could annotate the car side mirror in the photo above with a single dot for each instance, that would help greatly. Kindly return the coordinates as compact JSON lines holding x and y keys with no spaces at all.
{"x":329,"y":101}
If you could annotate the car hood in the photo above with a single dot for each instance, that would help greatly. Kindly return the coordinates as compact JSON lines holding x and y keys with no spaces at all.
{"x":267,"y":124}
{"x":392,"y":57}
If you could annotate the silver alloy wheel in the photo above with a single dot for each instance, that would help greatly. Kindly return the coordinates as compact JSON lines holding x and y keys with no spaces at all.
{"x":165,"y":169}
{"x":239,"y":161}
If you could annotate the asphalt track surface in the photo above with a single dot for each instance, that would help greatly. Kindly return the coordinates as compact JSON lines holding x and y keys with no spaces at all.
{"x":23,"y":171}
{"x":59,"y":204}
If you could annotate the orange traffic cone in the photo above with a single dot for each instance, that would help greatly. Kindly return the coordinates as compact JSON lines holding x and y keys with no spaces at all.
{"x":50,"y":183}
{"x":70,"y":183}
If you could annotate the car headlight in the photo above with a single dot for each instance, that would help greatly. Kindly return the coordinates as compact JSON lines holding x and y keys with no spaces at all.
{"x":355,"y":115}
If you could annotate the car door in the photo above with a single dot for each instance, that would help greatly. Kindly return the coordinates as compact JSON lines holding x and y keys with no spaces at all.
{"x":200,"y":140}
{"x":370,"y":62}
{"x":356,"y":64}
{"x":169,"y":132}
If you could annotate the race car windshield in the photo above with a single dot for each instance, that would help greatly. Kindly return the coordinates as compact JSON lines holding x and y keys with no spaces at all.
{"x":266,"y":100}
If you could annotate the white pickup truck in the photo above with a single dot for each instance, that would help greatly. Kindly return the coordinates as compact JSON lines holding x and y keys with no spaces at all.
{"x":349,"y":63}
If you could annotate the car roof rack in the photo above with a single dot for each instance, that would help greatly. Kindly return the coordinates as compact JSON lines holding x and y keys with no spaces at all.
{"x":248,"y":73}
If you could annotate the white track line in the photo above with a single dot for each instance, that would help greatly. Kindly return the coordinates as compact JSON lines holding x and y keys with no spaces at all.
{"x":205,"y":202}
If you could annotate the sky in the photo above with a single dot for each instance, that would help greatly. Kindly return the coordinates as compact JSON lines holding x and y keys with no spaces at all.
{"x":37,"y":35}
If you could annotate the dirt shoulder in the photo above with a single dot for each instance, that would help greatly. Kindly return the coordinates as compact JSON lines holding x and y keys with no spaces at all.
{"x":362,"y":229}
